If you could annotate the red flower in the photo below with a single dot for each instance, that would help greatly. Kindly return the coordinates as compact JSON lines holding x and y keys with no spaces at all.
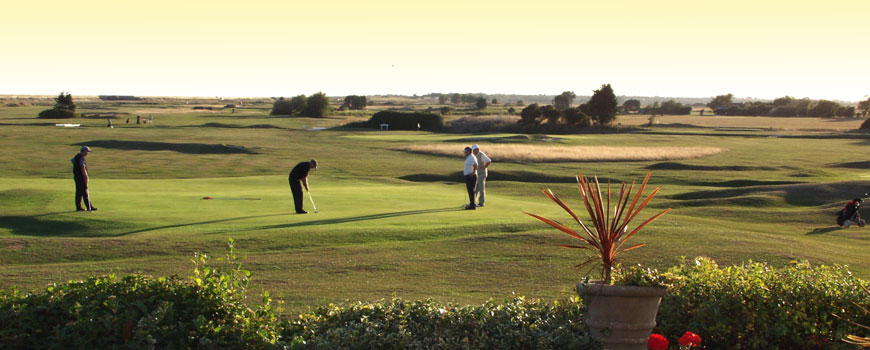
{"x":690,"y":339}
{"x":657,"y":342}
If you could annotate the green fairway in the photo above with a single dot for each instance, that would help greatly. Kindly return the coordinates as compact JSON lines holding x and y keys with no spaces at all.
{"x":390,"y":222}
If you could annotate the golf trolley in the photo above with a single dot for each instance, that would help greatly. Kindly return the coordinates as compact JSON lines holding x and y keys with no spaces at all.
{"x":849,"y":215}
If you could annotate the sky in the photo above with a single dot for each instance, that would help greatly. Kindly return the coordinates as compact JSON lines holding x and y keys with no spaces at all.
{"x":256,"y":48}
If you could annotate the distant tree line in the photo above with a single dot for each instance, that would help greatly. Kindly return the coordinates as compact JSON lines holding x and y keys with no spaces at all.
{"x":315,"y":106}
{"x":669,"y":107}
{"x":786,"y":106}
{"x":600,"y":109}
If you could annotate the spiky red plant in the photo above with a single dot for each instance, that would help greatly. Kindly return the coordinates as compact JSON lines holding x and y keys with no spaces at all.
{"x":609,"y":231}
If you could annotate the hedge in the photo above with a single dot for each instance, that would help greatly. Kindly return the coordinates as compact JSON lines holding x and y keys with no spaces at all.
{"x":756,"y":306}
{"x":407,"y":121}
{"x":401,"y":324}
{"x":749,"y":306}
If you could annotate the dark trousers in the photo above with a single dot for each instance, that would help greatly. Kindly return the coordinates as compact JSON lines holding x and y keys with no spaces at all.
{"x":471,"y":185}
{"x":82,"y":193}
{"x":296,"y":188}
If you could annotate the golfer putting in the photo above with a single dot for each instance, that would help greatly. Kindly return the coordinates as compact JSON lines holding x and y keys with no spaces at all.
{"x":299,"y":178}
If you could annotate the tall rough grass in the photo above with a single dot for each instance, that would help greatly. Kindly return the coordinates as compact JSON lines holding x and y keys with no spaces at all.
{"x":553,"y":154}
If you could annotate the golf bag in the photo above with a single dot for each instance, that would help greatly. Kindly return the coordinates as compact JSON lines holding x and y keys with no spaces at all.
{"x":849,"y":214}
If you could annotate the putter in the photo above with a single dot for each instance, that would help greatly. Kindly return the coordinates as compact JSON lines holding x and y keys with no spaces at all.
{"x":312,"y":201}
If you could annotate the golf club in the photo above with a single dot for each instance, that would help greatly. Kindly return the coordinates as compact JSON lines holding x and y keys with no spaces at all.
{"x":312,"y":201}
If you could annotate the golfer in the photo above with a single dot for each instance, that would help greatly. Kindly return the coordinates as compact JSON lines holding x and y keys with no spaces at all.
{"x":482,"y":163}
{"x":470,"y":172}
{"x":297,"y":175}
{"x":80,"y":175}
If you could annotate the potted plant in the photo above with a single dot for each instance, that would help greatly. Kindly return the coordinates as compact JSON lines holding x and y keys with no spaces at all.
{"x":623,"y":316}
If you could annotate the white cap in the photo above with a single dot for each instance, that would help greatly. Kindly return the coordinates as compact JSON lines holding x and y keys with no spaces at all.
{"x":475,"y":146}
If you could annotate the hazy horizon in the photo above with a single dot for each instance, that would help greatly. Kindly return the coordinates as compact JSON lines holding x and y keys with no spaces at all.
{"x":669,"y":48}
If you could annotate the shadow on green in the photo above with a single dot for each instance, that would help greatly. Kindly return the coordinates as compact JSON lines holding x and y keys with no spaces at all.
{"x":38,"y":226}
{"x":361,"y":218}
{"x":201,"y":223}
{"x":189,"y":148}
{"x":507,"y":175}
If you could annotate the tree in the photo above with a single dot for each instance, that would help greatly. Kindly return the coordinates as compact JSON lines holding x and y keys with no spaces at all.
{"x":520,"y":103}
{"x":824,"y":109}
{"x":297,"y":104}
{"x":481,"y":103}
{"x":864,"y":106}
{"x":531,"y":115}
{"x":551,"y":114}
{"x":720,"y":101}
{"x":64,"y":101}
{"x":783,"y":101}
{"x":495,"y":101}
{"x":631,"y":105}
{"x":445,"y":110}
{"x":355,"y":102}
{"x":455,"y":98}
{"x":674,"y":108}
{"x":576,"y":117}
{"x":846,"y":111}
{"x":602,"y":105}
{"x":64,"y":107}
{"x":317,"y":106}
{"x":563,"y":101}
{"x":511,"y":111}
{"x":442,"y":99}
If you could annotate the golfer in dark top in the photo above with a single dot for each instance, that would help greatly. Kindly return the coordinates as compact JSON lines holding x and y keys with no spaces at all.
{"x":80,"y":175}
{"x":297,"y":175}
{"x":470,"y":172}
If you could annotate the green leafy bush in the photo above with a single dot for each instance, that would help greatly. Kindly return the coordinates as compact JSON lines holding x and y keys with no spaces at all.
{"x":141,"y":312}
{"x":57,"y":113}
{"x":755,"y":306}
{"x":407,"y":121}
{"x":400,"y":324}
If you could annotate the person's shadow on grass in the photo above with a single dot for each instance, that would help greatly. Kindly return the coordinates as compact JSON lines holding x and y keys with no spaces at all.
{"x":822,"y":230}
{"x":360,"y":218}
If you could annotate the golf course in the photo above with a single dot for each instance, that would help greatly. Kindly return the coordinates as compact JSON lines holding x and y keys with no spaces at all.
{"x":390,"y":221}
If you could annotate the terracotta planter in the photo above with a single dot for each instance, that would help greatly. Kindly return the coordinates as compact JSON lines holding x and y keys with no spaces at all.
{"x":621,"y":317}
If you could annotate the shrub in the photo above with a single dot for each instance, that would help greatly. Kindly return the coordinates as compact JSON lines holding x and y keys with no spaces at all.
{"x":141,"y":312}
{"x":407,"y":121}
{"x":576,"y":117}
{"x":355,"y":102}
{"x":489,"y":123}
{"x":57,"y":113}
{"x":400,"y":324}
{"x":293,"y":106}
{"x":865,"y":125}
{"x":755,"y":306}
{"x":317,"y":106}
{"x":531,"y":115}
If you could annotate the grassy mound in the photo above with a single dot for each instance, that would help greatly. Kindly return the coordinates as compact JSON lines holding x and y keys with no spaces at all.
{"x":682,"y":166}
{"x":810,"y":194}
